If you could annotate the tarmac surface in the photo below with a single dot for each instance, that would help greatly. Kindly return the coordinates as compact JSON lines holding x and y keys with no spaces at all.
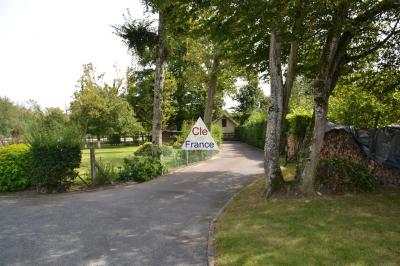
{"x":161,"y":222}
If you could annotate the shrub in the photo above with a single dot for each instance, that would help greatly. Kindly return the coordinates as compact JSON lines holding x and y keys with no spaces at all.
{"x":147,"y":149}
{"x":141,"y":168}
{"x":253,"y":130}
{"x":108,"y":171}
{"x":298,"y":123}
{"x":15,"y":163}
{"x":340,"y":175}
{"x":55,"y":155}
{"x":217,"y":133}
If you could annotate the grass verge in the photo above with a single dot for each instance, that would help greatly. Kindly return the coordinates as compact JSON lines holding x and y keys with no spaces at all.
{"x":359,"y":229}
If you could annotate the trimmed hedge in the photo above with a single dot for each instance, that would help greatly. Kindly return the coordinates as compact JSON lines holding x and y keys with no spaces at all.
{"x":53,"y":165}
{"x":15,"y":163}
{"x":253,"y":131}
{"x":298,"y":123}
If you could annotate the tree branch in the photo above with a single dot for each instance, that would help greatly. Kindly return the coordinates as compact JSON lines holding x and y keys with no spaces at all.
{"x":377,"y":46}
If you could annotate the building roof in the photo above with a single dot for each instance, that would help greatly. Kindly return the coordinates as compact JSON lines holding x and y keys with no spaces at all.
{"x":227,"y":115}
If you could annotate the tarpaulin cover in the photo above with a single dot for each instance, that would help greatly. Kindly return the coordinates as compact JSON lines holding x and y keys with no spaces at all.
{"x":379,"y":144}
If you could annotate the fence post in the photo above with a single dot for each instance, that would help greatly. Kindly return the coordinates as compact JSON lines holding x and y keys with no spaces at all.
{"x":93,"y":164}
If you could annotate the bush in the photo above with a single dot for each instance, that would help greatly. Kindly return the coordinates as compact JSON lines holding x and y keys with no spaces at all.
{"x":253,"y":131}
{"x":141,"y":168}
{"x":108,"y":171}
{"x":15,"y":163}
{"x":341,"y":175}
{"x":298,"y":123}
{"x":147,"y":149}
{"x":217,"y":133}
{"x":55,"y":155}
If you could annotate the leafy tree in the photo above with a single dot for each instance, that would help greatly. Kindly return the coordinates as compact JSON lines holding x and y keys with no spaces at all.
{"x":99,"y":108}
{"x":15,"y":117}
{"x":250,"y":98}
{"x":346,"y":33}
{"x":366,"y":100}
{"x":153,"y":45}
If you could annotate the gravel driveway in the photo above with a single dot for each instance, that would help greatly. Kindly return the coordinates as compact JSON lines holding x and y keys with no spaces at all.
{"x":161,"y":222}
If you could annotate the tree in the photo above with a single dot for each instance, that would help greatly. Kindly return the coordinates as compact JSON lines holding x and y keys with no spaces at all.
{"x":242,"y":29}
{"x":99,"y":108}
{"x":153,"y":46}
{"x":353,"y":31}
{"x":250,"y":98}
{"x":366,"y":99}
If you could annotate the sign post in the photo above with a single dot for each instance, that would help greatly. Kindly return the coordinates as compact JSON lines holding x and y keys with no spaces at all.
{"x":199,"y":139}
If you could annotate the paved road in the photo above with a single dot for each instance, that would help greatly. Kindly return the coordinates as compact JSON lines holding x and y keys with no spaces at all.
{"x":162,"y":222}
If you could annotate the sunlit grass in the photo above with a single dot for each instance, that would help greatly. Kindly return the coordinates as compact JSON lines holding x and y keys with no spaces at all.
{"x":360,"y":229}
{"x":110,"y":155}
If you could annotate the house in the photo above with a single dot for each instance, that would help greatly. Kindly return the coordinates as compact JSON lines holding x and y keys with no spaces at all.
{"x":228,"y":125}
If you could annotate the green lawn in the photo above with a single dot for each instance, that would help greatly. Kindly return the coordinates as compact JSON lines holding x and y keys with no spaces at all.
{"x":358,"y":229}
{"x":109,"y":155}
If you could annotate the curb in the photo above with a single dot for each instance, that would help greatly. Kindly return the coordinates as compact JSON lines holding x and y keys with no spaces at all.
{"x":211,"y":228}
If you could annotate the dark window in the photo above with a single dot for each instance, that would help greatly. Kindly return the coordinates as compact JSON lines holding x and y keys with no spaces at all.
{"x":223,"y":122}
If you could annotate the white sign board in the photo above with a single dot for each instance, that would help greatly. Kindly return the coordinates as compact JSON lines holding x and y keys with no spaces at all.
{"x":199,"y":138}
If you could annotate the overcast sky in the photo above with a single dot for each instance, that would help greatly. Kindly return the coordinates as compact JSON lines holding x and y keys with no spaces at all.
{"x":44,"y":43}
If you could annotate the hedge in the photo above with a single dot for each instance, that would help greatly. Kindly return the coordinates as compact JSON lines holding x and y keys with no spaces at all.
{"x":15,"y":163}
{"x":53,"y":165}
{"x":253,"y":131}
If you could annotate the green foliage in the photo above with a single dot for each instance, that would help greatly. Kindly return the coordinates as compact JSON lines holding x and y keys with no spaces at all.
{"x":253,"y":131}
{"x":55,"y":156}
{"x":108,"y":171}
{"x":298,"y":122}
{"x":14,"y":116}
{"x":365,"y":101}
{"x":341,"y":175}
{"x":140,"y":36}
{"x":250,"y":98}
{"x":99,"y":109}
{"x":217,"y":133}
{"x":187,"y":125}
{"x":140,"y":95}
{"x":141,"y":168}
{"x":15,"y":165}
{"x":114,"y":139}
{"x":148,"y":149}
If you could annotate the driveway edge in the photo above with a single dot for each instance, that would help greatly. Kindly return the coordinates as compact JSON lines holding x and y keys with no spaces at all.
{"x":211,"y":228}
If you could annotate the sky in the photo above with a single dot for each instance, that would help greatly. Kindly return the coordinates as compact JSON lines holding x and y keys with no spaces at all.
{"x":44,"y":43}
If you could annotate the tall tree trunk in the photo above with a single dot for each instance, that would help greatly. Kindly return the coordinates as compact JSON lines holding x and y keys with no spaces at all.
{"x":291,"y":68}
{"x":293,"y":56}
{"x":159,"y":82}
{"x":279,"y":102}
{"x":273,"y":176}
{"x":212,"y":87}
{"x":332,"y":58}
